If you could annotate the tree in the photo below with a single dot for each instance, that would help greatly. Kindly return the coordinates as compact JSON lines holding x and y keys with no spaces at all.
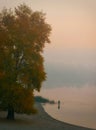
{"x":23,"y":35}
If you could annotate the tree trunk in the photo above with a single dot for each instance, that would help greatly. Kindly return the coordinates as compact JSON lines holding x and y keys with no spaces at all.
{"x":10,"y":115}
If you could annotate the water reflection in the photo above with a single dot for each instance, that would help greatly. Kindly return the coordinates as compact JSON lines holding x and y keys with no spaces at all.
{"x":77,"y":105}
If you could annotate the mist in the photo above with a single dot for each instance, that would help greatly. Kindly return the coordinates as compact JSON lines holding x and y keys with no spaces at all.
{"x":70,"y":68}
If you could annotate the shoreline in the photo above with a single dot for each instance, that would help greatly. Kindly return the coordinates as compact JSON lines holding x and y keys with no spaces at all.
{"x":65,"y":123}
{"x":41,"y":121}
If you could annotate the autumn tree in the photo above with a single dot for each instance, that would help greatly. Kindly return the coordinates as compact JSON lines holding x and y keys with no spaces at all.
{"x":23,"y":35}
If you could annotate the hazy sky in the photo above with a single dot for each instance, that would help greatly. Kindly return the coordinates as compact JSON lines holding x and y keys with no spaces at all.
{"x":73,"y":21}
{"x":73,"y":38}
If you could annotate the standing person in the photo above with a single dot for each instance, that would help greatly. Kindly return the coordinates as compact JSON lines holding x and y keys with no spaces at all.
{"x":58,"y":104}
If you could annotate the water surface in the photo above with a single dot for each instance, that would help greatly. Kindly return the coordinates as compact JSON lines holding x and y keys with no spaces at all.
{"x":78,"y":104}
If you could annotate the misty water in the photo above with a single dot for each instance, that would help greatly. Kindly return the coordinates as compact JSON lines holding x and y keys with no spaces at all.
{"x":75,"y":87}
{"x":71,"y":78}
{"x":78,"y":105}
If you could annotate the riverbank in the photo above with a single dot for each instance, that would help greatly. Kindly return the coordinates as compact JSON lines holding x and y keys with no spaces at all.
{"x":40,"y":121}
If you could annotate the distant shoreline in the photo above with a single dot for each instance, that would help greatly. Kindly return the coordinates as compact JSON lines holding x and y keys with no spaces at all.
{"x":40,"y":121}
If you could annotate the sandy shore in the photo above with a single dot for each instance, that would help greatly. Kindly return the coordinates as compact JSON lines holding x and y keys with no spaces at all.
{"x":40,"y":121}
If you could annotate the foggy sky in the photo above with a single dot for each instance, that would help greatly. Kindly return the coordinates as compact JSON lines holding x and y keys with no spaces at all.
{"x":71,"y":56}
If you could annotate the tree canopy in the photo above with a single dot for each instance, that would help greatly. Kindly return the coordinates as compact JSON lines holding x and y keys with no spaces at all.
{"x":23,"y":35}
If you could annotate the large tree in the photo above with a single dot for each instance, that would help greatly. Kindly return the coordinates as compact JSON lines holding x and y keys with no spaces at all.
{"x":23,"y":35}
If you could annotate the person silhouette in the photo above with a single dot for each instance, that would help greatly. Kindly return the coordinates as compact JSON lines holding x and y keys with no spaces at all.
{"x":58,"y":104}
